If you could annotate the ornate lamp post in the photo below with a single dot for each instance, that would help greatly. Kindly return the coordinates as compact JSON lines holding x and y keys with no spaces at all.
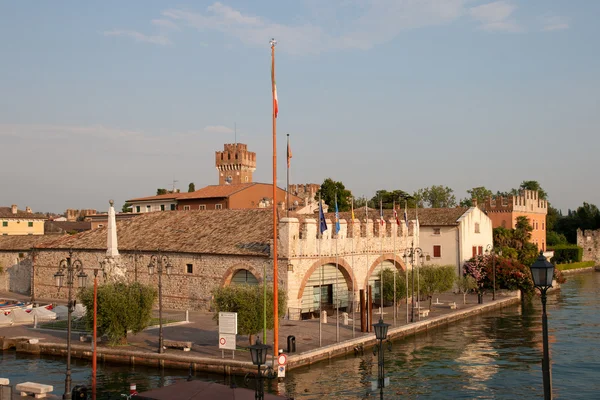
{"x":542,"y":273}
{"x":160,"y":263}
{"x":258,"y":352}
{"x":410,"y":256}
{"x":491,"y":249}
{"x":381,"y":330}
{"x":67,"y":268}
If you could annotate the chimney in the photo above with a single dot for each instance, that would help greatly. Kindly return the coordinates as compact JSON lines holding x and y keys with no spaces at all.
{"x":474,"y":202}
{"x":14,"y":209}
{"x":28,"y":210}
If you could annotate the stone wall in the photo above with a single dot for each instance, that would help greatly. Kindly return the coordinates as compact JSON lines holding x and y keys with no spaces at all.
{"x":16,"y":271}
{"x":589,"y":241}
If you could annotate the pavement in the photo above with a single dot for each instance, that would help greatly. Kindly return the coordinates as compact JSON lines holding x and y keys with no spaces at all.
{"x":202,"y":330}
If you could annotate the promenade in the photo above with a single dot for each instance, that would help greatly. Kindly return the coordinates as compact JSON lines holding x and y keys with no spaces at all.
{"x":202,"y":331}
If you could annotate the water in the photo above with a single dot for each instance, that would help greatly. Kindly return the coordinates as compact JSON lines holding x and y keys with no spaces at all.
{"x":495,"y":356}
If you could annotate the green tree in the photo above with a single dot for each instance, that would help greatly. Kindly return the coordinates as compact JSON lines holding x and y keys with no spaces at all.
{"x":126,"y":207}
{"x":191,"y":187}
{"x":121,"y":308}
{"x":466,"y":284}
{"x":480,"y":193}
{"x":388,"y":285}
{"x":247,"y":302}
{"x":436,"y":196}
{"x":328,"y":191}
{"x":161,"y":191}
{"x":388,"y":198}
{"x":435,"y":279}
{"x":535,"y":186}
{"x":555,"y":238}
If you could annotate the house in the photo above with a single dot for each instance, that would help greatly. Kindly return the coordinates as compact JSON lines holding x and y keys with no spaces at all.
{"x":451,"y":236}
{"x":504,"y":211}
{"x":18,"y":222}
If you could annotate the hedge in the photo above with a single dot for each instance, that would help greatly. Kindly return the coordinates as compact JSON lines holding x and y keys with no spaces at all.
{"x":578,"y":265}
{"x":565,"y":254}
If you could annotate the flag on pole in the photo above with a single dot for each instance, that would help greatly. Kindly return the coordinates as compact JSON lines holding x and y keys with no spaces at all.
{"x":322,"y":222}
{"x":405,"y":217}
{"x":289,"y":153}
{"x":337,"y":218}
{"x":396,"y":215}
{"x":352,"y":209}
{"x":381,"y":213}
{"x":275,"y":102}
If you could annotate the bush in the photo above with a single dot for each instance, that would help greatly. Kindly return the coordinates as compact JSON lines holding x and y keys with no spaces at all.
{"x":577,"y":265}
{"x":121,"y":308}
{"x":388,"y":285}
{"x":247,"y":302}
{"x":435,"y":279}
{"x":510,"y":274}
{"x":564,"y":254}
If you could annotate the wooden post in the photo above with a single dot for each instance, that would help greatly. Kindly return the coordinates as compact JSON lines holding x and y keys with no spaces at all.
{"x":370,"y":305}
{"x":363,"y":312}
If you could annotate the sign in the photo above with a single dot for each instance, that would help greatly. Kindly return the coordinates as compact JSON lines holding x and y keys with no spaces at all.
{"x":228,"y":323}
{"x":226,"y":341}
{"x":281,"y":371}
{"x":282,"y":360}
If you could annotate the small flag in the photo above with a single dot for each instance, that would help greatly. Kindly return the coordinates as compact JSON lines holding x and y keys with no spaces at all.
{"x":352,"y":210}
{"x":337,"y":218}
{"x":322,"y":222}
{"x":275,"y":102}
{"x":405,"y":218}
{"x":289,"y":153}
{"x":396,"y":216}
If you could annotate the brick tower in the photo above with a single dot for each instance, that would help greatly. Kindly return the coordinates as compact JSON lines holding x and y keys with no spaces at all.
{"x":235,"y":164}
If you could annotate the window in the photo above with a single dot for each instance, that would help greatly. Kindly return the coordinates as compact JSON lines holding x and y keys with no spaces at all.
{"x":202,"y":207}
{"x":474,"y":251}
{"x":436,"y":231}
{"x":543,"y":227}
{"x":218,"y":206}
{"x":480,"y":250}
{"x":5,"y":234}
{"x":162,"y":207}
{"x":437,"y":251}
{"x":100,"y":225}
{"x":186,"y":208}
{"x":148,"y":208}
{"x":30,"y":224}
{"x":476,"y":227}
{"x":4,"y":223}
{"x":137,"y":208}
{"x":190,"y":268}
{"x":246,"y":178}
{"x":172,"y":207}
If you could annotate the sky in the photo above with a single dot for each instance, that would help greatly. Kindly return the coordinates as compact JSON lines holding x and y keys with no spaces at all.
{"x":112,"y":99}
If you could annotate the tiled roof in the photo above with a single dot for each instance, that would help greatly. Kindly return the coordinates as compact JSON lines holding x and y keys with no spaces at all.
{"x":21,"y":242}
{"x":212,"y":191}
{"x":427,"y":216}
{"x":66,"y":226}
{"x":245,"y":232}
{"x":6,"y":212}
{"x":168,"y":196}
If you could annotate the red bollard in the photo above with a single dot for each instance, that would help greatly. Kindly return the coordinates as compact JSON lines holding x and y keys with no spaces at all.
{"x":132,"y":389}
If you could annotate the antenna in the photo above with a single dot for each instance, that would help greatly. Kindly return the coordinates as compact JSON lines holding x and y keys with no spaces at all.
{"x":174,"y":182}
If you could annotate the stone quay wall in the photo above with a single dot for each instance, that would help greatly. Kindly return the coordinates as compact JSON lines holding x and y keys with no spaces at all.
{"x":15,"y":274}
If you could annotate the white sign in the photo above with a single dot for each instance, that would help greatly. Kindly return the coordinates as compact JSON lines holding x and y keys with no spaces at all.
{"x":228,"y":323}
{"x":282,"y":359}
{"x":281,"y":371}
{"x":226,"y":341}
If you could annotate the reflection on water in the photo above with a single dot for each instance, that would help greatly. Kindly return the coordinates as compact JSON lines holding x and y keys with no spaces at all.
{"x":495,"y":356}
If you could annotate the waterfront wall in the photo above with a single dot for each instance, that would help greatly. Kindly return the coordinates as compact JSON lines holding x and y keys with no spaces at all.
{"x":15,"y":275}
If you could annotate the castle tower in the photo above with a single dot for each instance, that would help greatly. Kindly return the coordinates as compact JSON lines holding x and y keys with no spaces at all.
{"x":235,"y":164}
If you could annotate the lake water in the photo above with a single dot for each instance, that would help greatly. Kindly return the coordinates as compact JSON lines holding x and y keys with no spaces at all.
{"x":494,"y":356}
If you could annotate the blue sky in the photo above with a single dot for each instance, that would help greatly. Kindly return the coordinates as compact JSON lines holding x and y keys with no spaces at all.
{"x":114,"y":99}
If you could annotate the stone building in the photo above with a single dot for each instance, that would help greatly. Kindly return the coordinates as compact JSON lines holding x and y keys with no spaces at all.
{"x":503,"y":211}
{"x":589,"y":241}
{"x":235,"y":164}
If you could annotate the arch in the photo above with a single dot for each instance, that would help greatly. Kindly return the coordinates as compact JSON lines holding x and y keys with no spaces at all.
{"x":344,"y":268}
{"x":397,"y":261}
{"x":226,"y":281}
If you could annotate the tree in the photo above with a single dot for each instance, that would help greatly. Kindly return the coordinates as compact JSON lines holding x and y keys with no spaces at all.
{"x":247,"y":302}
{"x":388,"y":285}
{"x":480,"y":193}
{"x":328,"y":191}
{"x":161,"y":191}
{"x":436,"y":196}
{"x":191,"y":187}
{"x":388,"y":198}
{"x":536,"y":187}
{"x":121,"y":308}
{"x":465,"y":285}
{"x":126,"y":208}
{"x":435,"y":279}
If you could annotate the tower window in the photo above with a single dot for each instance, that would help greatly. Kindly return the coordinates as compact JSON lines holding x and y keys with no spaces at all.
{"x":190,"y":268}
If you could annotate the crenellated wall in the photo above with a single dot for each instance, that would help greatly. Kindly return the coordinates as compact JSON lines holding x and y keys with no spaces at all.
{"x":589,"y":241}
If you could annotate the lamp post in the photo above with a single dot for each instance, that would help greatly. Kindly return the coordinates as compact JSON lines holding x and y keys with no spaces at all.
{"x":381,"y":330}
{"x":258,"y":352}
{"x":67,"y":268}
{"x":410,"y":256}
{"x":491,"y":249}
{"x":542,"y":273}
{"x":160,"y":263}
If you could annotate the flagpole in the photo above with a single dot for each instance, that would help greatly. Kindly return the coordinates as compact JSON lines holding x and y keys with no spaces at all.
{"x":367,"y":252}
{"x":406,"y":244}
{"x":319,"y":240}
{"x":394,"y":257}
{"x":353,"y":283}
{"x":337,"y":271}
{"x":287,"y":186}
{"x":275,"y":277}
{"x":417,"y":262}
{"x":381,"y":237}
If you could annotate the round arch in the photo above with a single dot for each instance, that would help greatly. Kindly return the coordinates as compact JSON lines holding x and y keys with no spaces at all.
{"x":345,"y":269}
{"x":231,"y":271}
{"x":397,"y":261}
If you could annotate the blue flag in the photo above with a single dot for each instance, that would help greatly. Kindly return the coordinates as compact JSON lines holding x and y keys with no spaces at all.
{"x":405,"y":218}
{"x":337,"y":219}
{"x":322,"y":222}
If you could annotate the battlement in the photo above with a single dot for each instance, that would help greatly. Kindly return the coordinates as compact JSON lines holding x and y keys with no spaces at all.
{"x":299,"y":239}
{"x":235,"y":164}
{"x":527,"y":201}
{"x":307,"y":190}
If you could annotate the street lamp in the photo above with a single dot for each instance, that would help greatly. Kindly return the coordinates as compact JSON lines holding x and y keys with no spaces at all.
{"x":67,"y":268}
{"x":258,"y":352}
{"x":491,"y":249}
{"x":542,"y":273}
{"x":381,"y":330}
{"x":160,"y":263}
{"x":410,"y":256}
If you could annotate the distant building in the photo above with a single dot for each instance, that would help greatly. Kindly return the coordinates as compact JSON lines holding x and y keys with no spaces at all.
{"x":504,"y":211}
{"x":19,"y":222}
{"x":78,"y":215}
{"x":235,"y":164}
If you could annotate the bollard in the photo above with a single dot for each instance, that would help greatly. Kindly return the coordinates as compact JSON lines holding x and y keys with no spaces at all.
{"x":5,"y":389}
{"x":291,"y":344}
{"x":345,"y":318}
{"x":187,"y":315}
{"x":132,"y":390}
{"x":324,"y":317}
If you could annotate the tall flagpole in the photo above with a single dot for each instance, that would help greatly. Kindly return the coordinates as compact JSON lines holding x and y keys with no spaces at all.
{"x":381,"y":237}
{"x":415,"y":234}
{"x":394,"y":257}
{"x":367,"y":253}
{"x":406,"y":244}
{"x":337,"y":271}
{"x":319,"y":240}
{"x":287,"y":187}
{"x":275,"y":277}
{"x":353,"y":283}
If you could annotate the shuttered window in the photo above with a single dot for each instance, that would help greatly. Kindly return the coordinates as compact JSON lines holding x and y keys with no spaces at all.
{"x":437,"y":251}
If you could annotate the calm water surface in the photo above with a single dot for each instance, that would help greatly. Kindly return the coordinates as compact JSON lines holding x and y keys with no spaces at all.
{"x":496,"y":356}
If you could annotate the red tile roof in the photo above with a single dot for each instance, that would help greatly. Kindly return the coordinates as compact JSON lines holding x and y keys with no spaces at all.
{"x":213,"y":191}
{"x":168,"y":196}
{"x":6,"y":212}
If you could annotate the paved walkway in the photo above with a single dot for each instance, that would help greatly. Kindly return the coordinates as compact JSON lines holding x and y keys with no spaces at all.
{"x":202,"y":330}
